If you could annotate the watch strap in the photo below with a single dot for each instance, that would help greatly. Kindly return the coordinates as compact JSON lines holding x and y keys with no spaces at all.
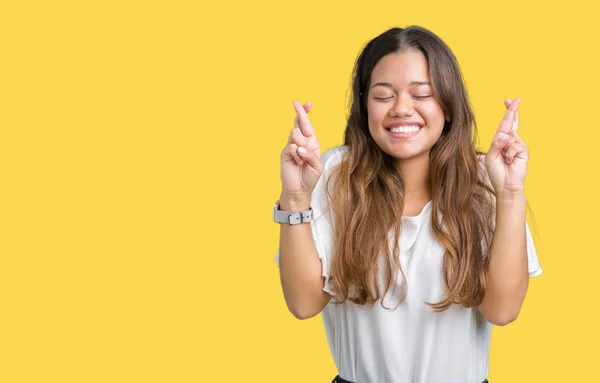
{"x":292,"y":217}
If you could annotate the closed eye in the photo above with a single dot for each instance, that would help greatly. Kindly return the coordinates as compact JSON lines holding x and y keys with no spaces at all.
{"x":389,"y":98}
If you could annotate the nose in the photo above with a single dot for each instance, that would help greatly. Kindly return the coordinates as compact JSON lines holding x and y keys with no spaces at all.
{"x":403,"y":106}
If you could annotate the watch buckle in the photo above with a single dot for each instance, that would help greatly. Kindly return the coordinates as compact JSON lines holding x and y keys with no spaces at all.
{"x":295,"y":223}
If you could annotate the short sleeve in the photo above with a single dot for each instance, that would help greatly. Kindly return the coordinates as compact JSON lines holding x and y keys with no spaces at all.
{"x":533,"y":264}
{"x":322,"y":223}
{"x":534,"y":267}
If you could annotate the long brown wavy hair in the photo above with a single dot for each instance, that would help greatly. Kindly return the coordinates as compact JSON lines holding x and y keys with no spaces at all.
{"x":367,"y":196}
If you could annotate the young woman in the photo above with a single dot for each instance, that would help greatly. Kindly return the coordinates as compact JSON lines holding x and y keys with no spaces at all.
{"x":409,"y":241}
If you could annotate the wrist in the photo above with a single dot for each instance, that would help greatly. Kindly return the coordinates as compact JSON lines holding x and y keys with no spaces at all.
{"x":294,"y":202}
{"x":509,"y":196}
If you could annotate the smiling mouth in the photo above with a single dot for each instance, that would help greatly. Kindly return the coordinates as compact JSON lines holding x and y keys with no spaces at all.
{"x":404,"y":131}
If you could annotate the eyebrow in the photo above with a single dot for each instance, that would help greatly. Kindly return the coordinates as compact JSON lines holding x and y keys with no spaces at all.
{"x":387,"y":84}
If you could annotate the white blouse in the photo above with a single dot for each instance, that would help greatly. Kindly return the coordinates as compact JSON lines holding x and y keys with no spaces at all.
{"x":411,"y":343}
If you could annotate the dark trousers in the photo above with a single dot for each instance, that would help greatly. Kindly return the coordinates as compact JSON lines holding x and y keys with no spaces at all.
{"x":338,"y":379}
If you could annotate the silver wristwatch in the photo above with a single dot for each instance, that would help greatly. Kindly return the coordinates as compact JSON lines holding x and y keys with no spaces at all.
{"x":291,"y":217}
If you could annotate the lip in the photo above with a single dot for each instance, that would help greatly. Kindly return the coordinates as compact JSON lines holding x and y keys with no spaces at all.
{"x":404,"y":123}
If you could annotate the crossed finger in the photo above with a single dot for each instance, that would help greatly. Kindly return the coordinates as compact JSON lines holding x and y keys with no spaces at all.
{"x":297,"y":138}
{"x":303,"y":121}
{"x":515,"y":126}
{"x":507,"y":123}
{"x":516,"y":150}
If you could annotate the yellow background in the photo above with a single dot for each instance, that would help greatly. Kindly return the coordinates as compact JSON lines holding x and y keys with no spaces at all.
{"x":139,"y":163}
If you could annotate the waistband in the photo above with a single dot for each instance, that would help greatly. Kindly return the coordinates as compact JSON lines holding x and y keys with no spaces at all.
{"x":339,"y":379}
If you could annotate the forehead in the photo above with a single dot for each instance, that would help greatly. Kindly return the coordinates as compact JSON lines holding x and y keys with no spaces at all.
{"x":402,"y":68}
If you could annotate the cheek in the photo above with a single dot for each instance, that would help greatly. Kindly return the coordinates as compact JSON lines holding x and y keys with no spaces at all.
{"x":433,"y":113}
{"x":376,"y":114}
{"x":374,"y":117}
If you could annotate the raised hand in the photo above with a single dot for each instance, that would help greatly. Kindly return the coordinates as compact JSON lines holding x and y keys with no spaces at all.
{"x":506,"y":161}
{"x":301,"y":165}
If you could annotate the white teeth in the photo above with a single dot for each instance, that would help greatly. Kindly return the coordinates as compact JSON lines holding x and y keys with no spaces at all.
{"x":404,"y":129}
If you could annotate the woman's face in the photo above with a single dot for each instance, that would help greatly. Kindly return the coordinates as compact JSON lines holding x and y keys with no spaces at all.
{"x":405,"y":120}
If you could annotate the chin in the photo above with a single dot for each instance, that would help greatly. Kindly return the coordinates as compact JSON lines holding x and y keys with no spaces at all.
{"x":404,"y":153}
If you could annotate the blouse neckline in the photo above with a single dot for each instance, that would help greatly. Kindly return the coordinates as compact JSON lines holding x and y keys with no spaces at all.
{"x":421,"y":214}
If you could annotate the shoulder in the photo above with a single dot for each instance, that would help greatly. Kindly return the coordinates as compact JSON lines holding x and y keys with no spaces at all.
{"x":320,"y":199}
{"x":481,"y":158}
{"x":330,"y":158}
{"x":483,"y":168}
{"x":333,"y":156}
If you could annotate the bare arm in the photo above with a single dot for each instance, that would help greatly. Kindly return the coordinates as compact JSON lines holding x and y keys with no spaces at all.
{"x":299,"y":265}
{"x":508,"y":277}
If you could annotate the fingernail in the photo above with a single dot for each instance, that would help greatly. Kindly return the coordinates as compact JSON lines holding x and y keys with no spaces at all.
{"x":302,"y":150}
